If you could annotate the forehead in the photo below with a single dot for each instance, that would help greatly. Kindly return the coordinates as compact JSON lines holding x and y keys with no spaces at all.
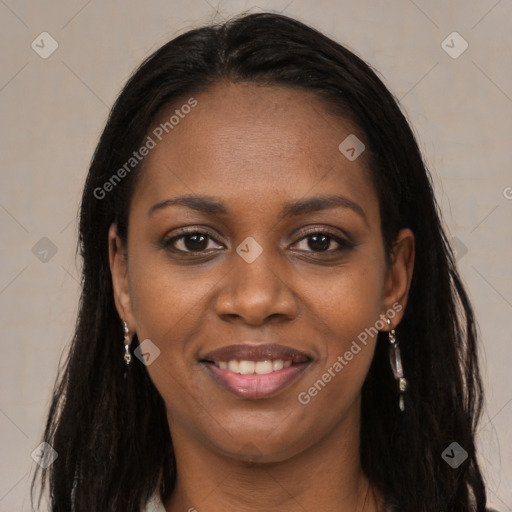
{"x":256,"y":143}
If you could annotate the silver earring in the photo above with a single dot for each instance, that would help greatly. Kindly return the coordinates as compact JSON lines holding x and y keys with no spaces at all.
{"x":127,"y":341}
{"x":396,"y":365}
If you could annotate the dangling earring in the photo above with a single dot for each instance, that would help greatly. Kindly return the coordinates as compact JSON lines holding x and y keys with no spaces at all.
{"x":127,"y":341}
{"x":396,"y":365}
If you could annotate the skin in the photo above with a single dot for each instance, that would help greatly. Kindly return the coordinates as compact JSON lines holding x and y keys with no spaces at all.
{"x":255,"y":148}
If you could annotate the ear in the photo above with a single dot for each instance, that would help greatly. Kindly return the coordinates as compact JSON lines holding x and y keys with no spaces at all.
{"x":399,"y":276}
{"x":119,"y":272}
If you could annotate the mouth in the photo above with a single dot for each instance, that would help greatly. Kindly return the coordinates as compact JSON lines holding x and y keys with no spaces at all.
{"x":255,"y":371}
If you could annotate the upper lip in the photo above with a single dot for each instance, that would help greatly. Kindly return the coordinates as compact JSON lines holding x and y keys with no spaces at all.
{"x":252,"y":352}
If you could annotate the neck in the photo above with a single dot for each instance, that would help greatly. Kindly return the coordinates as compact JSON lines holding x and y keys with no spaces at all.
{"x":325,"y":476}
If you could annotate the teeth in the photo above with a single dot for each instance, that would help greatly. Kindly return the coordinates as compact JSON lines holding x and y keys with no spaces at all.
{"x":246,"y":367}
{"x":277,"y":364}
{"x":233,"y":365}
{"x":263,"y":367}
{"x":250,"y":367}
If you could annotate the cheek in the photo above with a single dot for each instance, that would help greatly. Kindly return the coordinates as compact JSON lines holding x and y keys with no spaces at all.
{"x":166,"y":300}
{"x":346,"y":313}
{"x":346,"y":308}
{"x":168,"y":304}
{"x":173,"y":308}
{"x":347,"y":300}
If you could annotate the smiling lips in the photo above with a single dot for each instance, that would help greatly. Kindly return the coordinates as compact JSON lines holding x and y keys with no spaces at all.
{"x":255,"y":371}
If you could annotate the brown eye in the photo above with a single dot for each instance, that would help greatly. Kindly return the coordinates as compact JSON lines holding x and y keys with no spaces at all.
{"x":195,"y":242}
{"x":190,"y":242}
{"x":321,"y":241}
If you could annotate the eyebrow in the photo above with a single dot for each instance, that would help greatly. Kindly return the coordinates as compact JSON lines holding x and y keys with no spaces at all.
{"x":213,"y":206}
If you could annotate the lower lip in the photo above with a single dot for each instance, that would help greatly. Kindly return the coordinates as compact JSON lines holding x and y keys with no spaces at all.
{"x":255,"y":385}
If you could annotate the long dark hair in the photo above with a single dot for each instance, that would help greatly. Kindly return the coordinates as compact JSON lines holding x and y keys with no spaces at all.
{"x":111,"y":433}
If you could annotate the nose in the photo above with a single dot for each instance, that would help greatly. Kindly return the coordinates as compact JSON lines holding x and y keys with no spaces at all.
{"x":256,"y":293}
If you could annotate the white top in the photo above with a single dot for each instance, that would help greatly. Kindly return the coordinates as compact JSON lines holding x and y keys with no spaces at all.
{"x":155,"y":505}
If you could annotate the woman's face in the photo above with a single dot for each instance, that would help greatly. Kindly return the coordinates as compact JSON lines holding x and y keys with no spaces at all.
{"x":287,"y":252}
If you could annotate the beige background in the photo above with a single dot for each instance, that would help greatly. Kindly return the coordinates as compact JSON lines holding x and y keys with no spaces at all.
{"x":53,"y":110}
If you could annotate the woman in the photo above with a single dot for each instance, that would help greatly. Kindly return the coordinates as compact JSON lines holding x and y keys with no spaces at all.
{"x":271,"y":316}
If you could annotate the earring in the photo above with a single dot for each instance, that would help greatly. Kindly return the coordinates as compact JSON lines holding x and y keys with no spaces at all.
{"x":127,"y":341}
{"x":396,"y":364}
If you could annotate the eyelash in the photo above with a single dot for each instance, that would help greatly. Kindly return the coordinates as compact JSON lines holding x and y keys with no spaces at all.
{"x":342,"y":243}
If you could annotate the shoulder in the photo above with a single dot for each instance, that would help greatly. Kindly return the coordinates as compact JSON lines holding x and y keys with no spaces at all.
{"x":392,"y":506}
{"x":154,"y":505}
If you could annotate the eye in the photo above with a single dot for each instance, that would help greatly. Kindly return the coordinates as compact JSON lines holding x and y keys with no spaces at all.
{"x":197,"y":241}
{"x":322,"y":241}
{"x":191,"y":242}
